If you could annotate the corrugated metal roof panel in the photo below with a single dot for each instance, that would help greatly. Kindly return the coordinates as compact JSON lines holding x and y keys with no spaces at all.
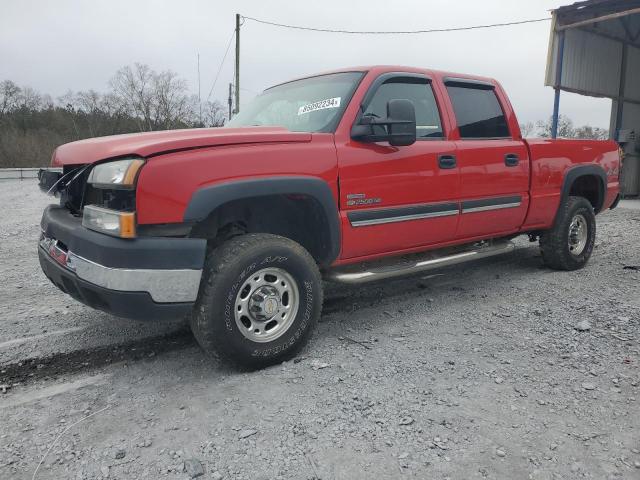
{"x":591,"y":64}
{"x":592,"y":8}
{"x":632,"y":85}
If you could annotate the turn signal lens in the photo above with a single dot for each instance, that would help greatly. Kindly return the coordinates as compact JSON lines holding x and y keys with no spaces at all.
{"x":128,"y":225}
{"x":132,"y":171}
{"x":111,"y":222}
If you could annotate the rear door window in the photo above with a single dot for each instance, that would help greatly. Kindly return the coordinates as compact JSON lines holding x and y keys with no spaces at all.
{"x":478,"y":112}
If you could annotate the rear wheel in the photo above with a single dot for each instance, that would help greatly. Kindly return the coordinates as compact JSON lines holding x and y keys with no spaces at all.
{"x":259,"y":299}
{"x":569,"y":244}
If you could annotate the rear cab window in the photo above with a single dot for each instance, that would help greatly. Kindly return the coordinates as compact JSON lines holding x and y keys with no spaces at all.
{"x":477,"y":109}
{"x":419,"y":92}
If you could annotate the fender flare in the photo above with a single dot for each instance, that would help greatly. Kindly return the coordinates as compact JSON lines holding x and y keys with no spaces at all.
{"x":207,"y":199}
{"x":580,"y":171}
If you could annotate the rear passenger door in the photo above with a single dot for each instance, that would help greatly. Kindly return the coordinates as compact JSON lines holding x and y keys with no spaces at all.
{"x":494,"y":167}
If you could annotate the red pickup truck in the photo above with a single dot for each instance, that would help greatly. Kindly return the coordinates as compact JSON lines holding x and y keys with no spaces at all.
{"x":349,"y":176}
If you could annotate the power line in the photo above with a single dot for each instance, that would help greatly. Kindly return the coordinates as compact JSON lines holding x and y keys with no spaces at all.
{"x":221,"y":64}
{"x":399,"y":32}
{"x":362,"y":32}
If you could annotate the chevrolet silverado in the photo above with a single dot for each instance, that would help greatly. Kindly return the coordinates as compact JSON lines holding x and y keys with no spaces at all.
{"x":357,"y":175}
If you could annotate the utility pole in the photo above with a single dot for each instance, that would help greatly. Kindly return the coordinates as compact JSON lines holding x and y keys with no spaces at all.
{"x":230,"y":100}
{"x":237,"y":79}
{"x":199,"y":97}
{"x":556,"y":100}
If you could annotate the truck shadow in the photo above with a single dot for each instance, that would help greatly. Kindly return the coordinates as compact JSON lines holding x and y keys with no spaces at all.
{"x":339,"y":299}
{"x":461,"y":277}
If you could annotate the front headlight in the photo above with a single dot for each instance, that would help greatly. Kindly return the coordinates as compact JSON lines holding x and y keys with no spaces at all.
{"x":118,"y":172}
{"x":112,"y":222}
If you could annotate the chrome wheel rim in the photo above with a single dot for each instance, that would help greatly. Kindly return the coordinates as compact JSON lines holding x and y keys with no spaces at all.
{"x":266,"y":305}
{"x":578,"y":233}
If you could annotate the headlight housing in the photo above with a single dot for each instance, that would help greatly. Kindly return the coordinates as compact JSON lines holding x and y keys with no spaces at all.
{"x":116,"y":173}
{"x":111,"y":222}
{"x":109,"y":197}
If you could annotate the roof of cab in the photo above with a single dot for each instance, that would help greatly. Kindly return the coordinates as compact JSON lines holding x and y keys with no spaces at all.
{"x":380,"y":69}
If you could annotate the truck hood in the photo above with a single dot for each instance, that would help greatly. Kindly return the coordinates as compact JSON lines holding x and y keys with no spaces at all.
{"x":150,"y":144}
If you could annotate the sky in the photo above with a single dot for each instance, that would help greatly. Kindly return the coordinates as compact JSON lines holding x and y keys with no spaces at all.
{"x":54,"y":46}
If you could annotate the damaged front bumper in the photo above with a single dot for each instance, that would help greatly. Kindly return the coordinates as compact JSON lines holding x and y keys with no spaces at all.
{"x":47,"y":179}
{"x":142,"y":278}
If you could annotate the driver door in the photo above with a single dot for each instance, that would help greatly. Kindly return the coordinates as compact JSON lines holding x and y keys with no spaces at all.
{"x":396,"y":199}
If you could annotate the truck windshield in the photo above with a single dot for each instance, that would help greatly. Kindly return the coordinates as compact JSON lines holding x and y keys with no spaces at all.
{"x":312,"y":104}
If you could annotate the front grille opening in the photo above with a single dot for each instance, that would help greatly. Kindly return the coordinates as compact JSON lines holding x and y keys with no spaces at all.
{"x":75,"y":193}
{"x":72,"y":192}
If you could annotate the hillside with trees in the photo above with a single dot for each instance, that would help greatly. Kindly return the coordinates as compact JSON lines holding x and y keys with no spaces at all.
{"x":139,"y":99}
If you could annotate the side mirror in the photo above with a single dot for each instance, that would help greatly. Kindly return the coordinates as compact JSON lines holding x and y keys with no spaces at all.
{"x":399,"y":126}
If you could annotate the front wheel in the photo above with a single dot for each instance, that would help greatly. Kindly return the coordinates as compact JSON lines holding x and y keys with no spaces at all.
{"x":569,"y":244}
{"x":259,"y":299}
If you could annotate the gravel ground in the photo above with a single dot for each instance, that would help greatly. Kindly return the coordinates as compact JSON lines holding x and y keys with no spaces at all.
{"x":31,"y":307}
{"x":496,"y":369}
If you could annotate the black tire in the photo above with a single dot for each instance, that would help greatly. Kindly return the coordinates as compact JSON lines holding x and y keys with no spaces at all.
{"x":554,"y":243}
{"x":227,"y":269}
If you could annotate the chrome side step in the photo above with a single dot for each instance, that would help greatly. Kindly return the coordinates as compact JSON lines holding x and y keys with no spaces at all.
{"x":415,"y":263}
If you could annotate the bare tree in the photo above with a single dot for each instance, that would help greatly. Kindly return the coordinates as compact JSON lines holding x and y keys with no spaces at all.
{"x":9,"y":96}
{"x":158,"y":100}
{"x":90,"y":105}
{"x":47,"y":102}
{"x":214,"y":114}
{"x":594,"y":133}
{"x":527,"y":129}
{"x":133,"y":88}
{"x":565,"y":127}
{"x":29,"y":99}
{"x":170,"y":103}
{"x":111,"y":106}
{"x":69,"y":102}
{"x":89,"y":101}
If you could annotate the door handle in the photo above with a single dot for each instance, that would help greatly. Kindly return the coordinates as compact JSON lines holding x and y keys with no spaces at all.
{"x":511,"y":160}
{"x":447,"y":161}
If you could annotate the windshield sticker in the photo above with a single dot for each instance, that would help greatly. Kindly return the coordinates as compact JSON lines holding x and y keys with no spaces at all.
{"x":321,"y":105}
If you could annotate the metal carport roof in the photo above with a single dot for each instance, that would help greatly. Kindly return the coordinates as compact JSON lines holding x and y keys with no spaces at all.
{"x":594,"y":49}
